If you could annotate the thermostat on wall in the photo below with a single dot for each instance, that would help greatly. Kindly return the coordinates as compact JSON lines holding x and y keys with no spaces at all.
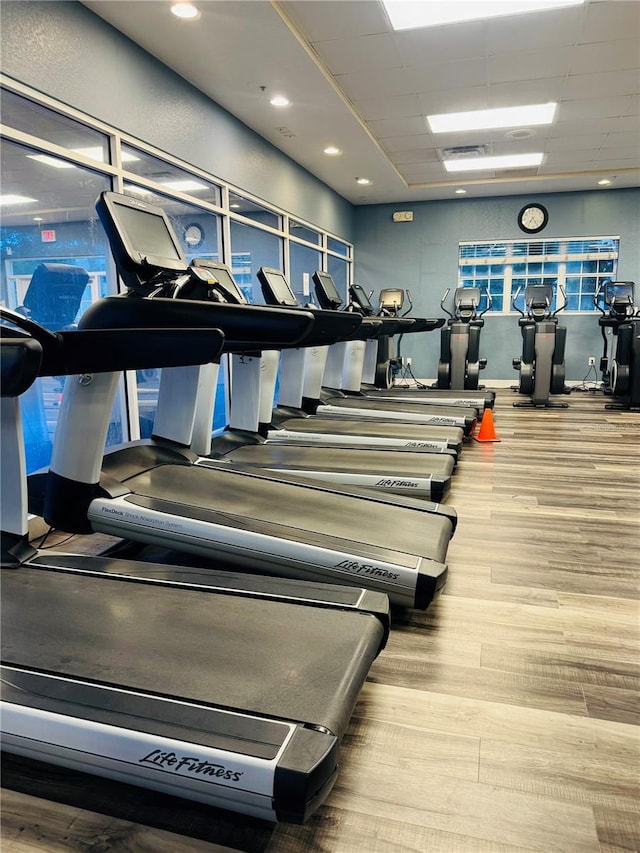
{"x":403,"y":216}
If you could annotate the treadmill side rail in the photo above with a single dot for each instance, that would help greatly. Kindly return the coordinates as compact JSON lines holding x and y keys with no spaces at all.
{"x":73,"y":734}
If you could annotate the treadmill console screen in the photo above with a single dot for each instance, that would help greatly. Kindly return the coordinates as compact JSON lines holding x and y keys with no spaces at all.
{"x":326,"y":291}
{"x":147,"y":232}
{"x":142,"y":240}
{"x":275,"y":289}
{"x":359,"y":295}
{"x":222,"y":275}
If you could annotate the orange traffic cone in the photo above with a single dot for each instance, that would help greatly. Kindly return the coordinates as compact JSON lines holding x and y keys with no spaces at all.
{"x":487,"y":431}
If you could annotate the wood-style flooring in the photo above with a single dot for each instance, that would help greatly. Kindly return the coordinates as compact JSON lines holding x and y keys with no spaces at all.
{"x":504,"y":718}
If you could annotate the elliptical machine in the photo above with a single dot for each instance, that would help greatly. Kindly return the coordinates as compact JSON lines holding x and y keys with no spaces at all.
{"x":460,"y":363}
{"x":621,"y":373}
{"x":541,"y":365}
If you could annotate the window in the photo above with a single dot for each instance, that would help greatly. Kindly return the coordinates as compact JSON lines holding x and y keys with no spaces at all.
{"x":54,"y":164}
{"x":51,"y":219}
{"x":506,"y":267}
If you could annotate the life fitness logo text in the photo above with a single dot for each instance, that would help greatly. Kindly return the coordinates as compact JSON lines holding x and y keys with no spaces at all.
{"x":189,"y":764}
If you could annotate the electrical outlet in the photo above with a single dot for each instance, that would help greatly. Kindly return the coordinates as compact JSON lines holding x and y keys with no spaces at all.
{"x":592,"y":361}
{"x":409,"y":361}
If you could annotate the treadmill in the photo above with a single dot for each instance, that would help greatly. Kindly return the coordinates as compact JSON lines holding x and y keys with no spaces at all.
{"x":403,"y":472}
{"x":230,"y":690}
{"x":161,"y":493}
{"x":349,"y":355}
{"x":479,"y":400}
{"x":296,"y":419}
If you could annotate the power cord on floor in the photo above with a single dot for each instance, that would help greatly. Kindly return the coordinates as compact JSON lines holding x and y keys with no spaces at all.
{"x":589,"y":385}
{"x":40,"y":545}
{"x":406,"y":374}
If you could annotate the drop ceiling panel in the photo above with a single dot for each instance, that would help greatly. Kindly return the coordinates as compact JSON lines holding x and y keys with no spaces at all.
{"x":528,"y":65}
{"x":440,"y":101}
{"x":608,"y":21}
{"x":553,"y":29}
{"x":350,"y":55}
{"x":442,"y":44}
{"x":618,"y":55}
{"x":601,"y":85}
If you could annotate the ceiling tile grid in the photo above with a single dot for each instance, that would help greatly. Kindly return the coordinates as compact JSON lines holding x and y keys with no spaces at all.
{"x":352,"y":78}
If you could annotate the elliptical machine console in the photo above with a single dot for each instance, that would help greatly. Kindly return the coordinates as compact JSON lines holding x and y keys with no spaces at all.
{"x":460,"y":363}
{"x":541,"y":365}
{"x":621,"y":374}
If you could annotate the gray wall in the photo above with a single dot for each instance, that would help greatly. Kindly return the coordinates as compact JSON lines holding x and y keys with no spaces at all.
{"x":423,"y":256}
{"x":67,"y":52}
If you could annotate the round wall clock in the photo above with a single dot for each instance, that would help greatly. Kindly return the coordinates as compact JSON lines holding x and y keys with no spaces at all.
{"x":193,"y":235}
{"x":532,"y":218}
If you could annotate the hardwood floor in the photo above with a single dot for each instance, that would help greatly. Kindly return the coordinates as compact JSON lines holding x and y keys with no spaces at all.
{"x":504,"y":718}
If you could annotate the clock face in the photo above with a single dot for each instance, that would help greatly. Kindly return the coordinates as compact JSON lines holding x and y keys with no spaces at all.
{"x":533,"y":218}
{"x":193,"y":235}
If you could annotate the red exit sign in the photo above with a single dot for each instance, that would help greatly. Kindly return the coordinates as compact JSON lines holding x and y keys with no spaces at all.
{"x":48,"y":235}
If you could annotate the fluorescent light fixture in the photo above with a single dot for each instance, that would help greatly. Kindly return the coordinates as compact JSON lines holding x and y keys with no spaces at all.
{"x":489,"y":119}
{"x":235,"y":206}
{"x":38,"y":219}
{"x":364,"y":182}
{"x":461,"y":192}
{"x":186,"y":11}
{"x":51,"y":161}
{"x":184,"y":185}
{"x":279,"y":101}
{"x":508,"y":161}
{"x":409,"y":14}
{"x":10,"y":198}
{"x":605,"y":182}
{"x":332,"y":151}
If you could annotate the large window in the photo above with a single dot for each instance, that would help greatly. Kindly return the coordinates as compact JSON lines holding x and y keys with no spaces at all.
{"x":504,"y":268}
{"x":54,"y":164}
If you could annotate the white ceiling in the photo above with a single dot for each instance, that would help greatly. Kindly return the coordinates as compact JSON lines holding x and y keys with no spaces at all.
{"x":355,"y":83}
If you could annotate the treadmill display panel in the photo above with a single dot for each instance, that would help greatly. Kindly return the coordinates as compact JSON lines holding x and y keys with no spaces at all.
{"x":223,"y":277}
{"x":326,"y":290}
{"x":147,"y":233}
{"x":275,"y":289}
{"x":359,"y":295}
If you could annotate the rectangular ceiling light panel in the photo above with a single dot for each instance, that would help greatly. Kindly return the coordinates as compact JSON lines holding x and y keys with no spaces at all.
{"x":409,"y":14}
{"x":477,"y":164}
{"x":535,"y":114}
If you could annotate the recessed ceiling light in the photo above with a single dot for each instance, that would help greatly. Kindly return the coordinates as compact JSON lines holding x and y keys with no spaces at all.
{"x":461,"y":192}
{"x":38,"y":219}
{"x":332,"y":150}
{"x":364,"y":182}
{"x":407,"y":14}
{"x":186,"y":11}
{"x":508,"y":161}
{"x":605,"y":182}
{"x":489,"y":119}
{"x":15,"y":199}
{"x":279,"y":101}
{"x":51,"y":161}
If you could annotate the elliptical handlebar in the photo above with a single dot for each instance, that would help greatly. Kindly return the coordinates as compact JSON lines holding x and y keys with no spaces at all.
{"x":596,"y":297}
{"x":39,"y":333}
{"x":410,"y":301}
{"x":514,"y":299}
{"x":564,"y":305}
{"x":489,"y":300}
{"x":443,"y":300}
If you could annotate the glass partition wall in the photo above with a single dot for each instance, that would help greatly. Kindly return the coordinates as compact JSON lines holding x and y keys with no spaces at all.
{"x":54,"y":163}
